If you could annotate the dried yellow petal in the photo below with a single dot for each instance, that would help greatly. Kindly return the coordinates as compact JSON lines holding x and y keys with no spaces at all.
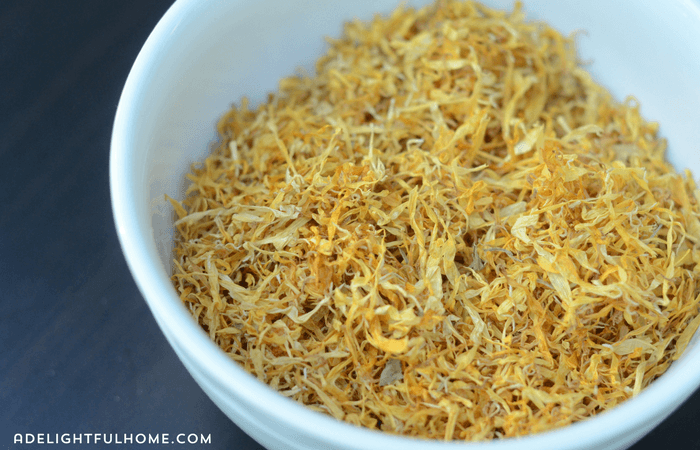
{"x":448,"y":231}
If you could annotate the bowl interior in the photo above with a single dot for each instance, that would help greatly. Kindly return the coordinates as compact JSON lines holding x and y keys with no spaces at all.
{"x":204,"y":56}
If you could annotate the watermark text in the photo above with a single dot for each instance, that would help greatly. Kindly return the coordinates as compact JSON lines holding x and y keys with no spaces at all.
{"x":112,"y":438}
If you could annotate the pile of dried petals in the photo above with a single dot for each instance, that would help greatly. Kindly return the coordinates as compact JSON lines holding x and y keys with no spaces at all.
{"x":450,"y":231}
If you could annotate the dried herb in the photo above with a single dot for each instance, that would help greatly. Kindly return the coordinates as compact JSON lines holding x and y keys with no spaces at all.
{"x":449,"y":231}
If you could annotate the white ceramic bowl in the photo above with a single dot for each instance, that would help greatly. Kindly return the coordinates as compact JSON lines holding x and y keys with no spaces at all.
{"x":205,"y":55}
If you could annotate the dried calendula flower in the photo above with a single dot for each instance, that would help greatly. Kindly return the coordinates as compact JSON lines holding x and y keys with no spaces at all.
{"x":450,"y":231}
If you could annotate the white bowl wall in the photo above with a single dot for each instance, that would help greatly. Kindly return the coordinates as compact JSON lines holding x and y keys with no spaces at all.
{"x":205,"y":55}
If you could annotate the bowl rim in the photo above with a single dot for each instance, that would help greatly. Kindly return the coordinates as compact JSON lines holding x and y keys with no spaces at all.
{"x":136,"y":239}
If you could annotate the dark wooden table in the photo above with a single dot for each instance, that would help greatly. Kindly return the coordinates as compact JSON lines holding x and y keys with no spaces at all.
{"x":79,"y":350}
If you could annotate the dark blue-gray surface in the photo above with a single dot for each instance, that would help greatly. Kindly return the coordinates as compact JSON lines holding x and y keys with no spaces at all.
{"x":79,"y":350}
